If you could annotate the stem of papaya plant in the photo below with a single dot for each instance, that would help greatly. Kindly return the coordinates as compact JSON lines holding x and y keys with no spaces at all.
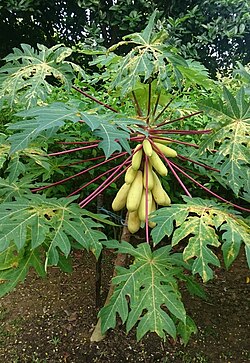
{"x":87,"y":160}
{"x":77,"y":142}
{"x":121,"y":260}
{"x":178,"y":178}
{"x":163,"y":110}
{"x":91,"y":181}
{"x":83,"y":161}
{"x":156,"y":105}
{"x":147,"y":209}
{"x":198,"y":163}
{"x":208,"y":190}
{"x":166,"y":122}
{"x":137,"y":105}
{"x":73,"y":150}
{"x":78,"y":174}
{"x":94,"y":99}
{"x":175,"y":141}
{"x":137,"y":138}
{"x":106,"y":183}
{"x":180,"y":132}
{"x":149,"y":103}
{"x":192,"y":171}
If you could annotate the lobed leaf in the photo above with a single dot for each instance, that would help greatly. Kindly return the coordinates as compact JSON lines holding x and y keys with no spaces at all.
{"x":18,"y":269}
{"x":113,"y":131}
{"x":25,"y":75}
{"x":35,"y":223}
{"x":146,"y":292}
{"x":230,"y":137}
{"x":199,"y":223}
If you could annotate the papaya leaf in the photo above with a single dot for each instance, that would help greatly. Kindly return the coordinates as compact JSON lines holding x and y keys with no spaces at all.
{"x":50,"y":118}
{"x":146,"y":292}
{"x":19,"y":266}
{"x":185,"y":330}
{"x":38,"y":231}
{"x":11,"y":190}
{"x":25,"y":75}
{"x":36,"y":219}
{"x":203,"y":225}
{"x":8,"y":258}
{"x":15,"y":168}
{"x":37,"y":120}
{"x":232,"y":234}
{"x":230,"y":137}
{"x":4,"y":150}
{"x":152,"y":58}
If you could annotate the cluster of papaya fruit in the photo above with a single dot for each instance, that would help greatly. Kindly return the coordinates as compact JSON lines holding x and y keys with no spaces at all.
{"x":142,"y":190}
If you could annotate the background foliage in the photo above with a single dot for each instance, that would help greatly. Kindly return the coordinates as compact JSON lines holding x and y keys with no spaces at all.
{"x":215,"y":32}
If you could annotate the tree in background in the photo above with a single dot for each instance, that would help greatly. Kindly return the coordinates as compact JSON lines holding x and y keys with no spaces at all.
{"x":215,"y":32}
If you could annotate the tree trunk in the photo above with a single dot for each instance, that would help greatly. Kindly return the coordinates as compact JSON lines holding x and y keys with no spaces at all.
{"x":121,"y":260}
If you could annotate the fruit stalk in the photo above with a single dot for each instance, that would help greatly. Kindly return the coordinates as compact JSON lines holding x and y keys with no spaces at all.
{"x":147,"y":211}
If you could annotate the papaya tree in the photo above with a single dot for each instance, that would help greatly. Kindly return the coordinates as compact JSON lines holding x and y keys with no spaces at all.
{"x":157,"y":139}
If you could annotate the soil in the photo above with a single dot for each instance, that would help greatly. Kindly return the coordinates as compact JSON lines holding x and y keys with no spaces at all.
{"x":51,"y":320}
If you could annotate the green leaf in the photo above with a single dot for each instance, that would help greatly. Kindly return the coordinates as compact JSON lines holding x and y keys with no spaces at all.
{"x":152,"y":58}
{"x":39,"y":119}
{"x":85,"y":233}
{"x":9,"y":278}
{"x":9,"y":258}
{"x":15,"y":168}
{"x":176,"y":215}
{"x":4,"y":150}
{"x":234,"y":232}
{"x":112,"y":130}
{"x":147,"y":32}
{"x":34,"y":226}
{"x":25,"y":75}
{"x":231,"y":129}
{"x":35,"y":218}
{"x":204,"y":235}
{"x":185,"y":330}
{"x":9,"y":191}
{"x":150,"y":284}
{"x":200,"y":223}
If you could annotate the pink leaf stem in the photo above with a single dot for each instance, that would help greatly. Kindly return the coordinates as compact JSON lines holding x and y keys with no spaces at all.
{"x":91,"y":181}
{"x":173,"y":171}
{"x":208,"y":190}
{"x":163,"y":110}
{"x":106,"y":183}
{"x":146,"y":166}
{"x":137,"y":105}
{"x":83,"y":161}
{"x":198,"y":163}
{"x":177,"y":141}
{"x":137,"y":138}
{"x":156,"y":104}
{"x":73,"y":150}
{"x":181,"y":132}
{"x":77,"y":142}
{"x":191,"y":171}
{"x":166,"y":122}
{"x":94,"y":99}
{"x":90,"y":159}
{"x":78,"y":174}
{"x":149,"y":103}
{"x":178,"y":178}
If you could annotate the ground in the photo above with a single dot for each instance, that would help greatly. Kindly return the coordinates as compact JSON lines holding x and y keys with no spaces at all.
{"x":51,"y":320}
